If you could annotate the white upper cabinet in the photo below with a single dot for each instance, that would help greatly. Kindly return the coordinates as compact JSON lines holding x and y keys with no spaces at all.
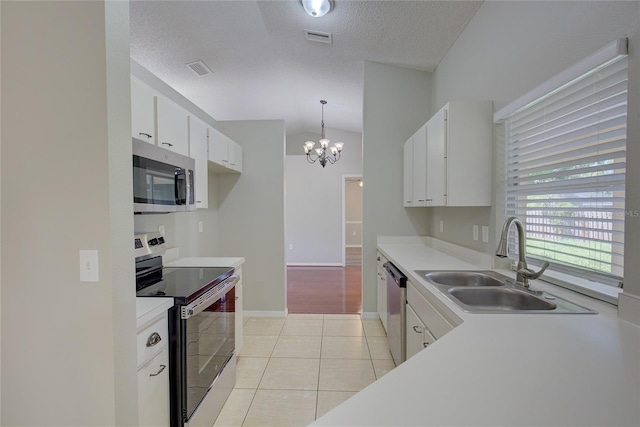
{"x":143,"y":114}
{"x":408,"y":173}
{"x":198,"y":150}
{"x":419,"y":170}
{"x":414,"y":178}
{"x":225,"y":155}
{"x":449,"y":161}
{"x":235,"y":156}
{"x":436,"y":159}
{"x":173,"y":126}
{"x":460,"y":149}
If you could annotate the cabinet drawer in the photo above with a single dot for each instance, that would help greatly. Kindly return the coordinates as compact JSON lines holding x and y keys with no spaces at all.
{"x":433,"y":320}
{"x":153,"y":392}
{"x":152,"y":339}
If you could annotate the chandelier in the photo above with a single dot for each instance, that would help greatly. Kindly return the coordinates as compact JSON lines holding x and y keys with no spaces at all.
{"x":320,"y":153}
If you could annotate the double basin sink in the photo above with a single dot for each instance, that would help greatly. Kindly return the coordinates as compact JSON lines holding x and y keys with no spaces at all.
{"x":491,"y":292}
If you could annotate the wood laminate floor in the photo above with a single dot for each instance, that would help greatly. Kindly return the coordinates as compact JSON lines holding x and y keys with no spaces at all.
{"x":333,"y":290}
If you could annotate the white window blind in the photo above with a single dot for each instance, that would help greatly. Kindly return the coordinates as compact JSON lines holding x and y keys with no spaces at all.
{"x":565,"y":173}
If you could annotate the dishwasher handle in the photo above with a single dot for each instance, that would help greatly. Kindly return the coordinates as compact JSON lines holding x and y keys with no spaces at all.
{"x":395,"y":274}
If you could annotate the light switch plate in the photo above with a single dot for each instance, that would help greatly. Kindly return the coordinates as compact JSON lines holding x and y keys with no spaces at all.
{"x":441,"y":226}
{"x":200,"y":226}
{"x":485,"y":233}
{"x":475,"y":231}
{"x":161,"y":229}
{"x":89,"y":266}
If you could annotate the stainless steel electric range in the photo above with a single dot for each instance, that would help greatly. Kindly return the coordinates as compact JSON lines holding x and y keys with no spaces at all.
{"x":201,"y":332}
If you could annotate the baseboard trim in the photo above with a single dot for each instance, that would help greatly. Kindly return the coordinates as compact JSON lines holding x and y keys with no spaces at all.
{"x":629,"y":308}
{"x":369,"y":315}
{"x":304,"y":264}
{"x":259,"y":313}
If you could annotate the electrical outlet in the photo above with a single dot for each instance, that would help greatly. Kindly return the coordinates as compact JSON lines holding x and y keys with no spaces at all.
{"x":200,"y":226}
{"x":290,"y":246}
{"x":475,"y":231}
{"x":485,"y":233}
{"x":89,"y":266}
{"x":442,"y":226}
{"x":161,"y":229}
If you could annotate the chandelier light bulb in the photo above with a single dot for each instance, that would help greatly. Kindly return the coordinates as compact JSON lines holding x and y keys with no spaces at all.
{"x":319,"y":152}
{"x":339,"y":146}
{"x":324,"y":143}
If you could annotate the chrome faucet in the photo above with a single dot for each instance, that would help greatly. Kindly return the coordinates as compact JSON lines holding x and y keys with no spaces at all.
{"x":523,"y":273}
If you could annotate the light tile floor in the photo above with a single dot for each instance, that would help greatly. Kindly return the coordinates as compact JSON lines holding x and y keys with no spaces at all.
{"x":292,"y":371}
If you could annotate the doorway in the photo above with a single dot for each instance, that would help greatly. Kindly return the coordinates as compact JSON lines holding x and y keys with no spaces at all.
{"x":352,"y":220}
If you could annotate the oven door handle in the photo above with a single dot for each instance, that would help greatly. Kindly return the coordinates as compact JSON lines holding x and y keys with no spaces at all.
{"x":208,"y":298}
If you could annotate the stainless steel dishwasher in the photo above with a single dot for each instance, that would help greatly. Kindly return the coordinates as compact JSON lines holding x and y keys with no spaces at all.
{"x":396,"y":312}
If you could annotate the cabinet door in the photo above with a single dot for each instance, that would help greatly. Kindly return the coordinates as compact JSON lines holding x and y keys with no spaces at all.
{"x":420,"y":166}
{"x":173,"y":126}
{"x":415,"y":333}
{"x":381,"y":283}
{"x":239,"y":316}
{"x":143,"y":114}
{"x":408,"y":173}
{"x":436,"y":159}
{"x":198,"y":150}
{"x":153,"y":392}
{"x":218,"y":147}
{"x":235,"y":156}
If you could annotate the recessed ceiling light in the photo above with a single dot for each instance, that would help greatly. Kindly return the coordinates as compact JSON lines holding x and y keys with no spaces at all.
{"x":317,"y":8}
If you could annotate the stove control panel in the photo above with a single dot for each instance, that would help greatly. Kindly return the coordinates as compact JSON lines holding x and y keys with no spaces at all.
{"x":149,"y":244}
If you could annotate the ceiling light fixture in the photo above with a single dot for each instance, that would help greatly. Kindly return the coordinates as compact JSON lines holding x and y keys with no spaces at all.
{"x":321,"y":152}
{"x":317,"y":8}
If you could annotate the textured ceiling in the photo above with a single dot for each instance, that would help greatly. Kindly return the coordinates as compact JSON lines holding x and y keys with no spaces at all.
{"x":264,"y":68}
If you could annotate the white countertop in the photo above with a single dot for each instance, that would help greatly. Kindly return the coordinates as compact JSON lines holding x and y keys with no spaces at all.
{"x":234,"y":262}
{"x":505,"y":369}
{"x":149,"y":308}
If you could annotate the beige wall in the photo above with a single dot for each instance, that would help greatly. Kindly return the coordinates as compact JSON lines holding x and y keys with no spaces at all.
{"x":396,"y":103}
{"x":251,"y":213}
{"x":68,"y":353}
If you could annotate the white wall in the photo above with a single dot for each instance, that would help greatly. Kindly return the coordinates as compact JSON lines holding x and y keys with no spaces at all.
{"x":251,"y":213}
{"x":68,"y":353}
{"x":396,"y":103}
{"x":314,"y":201}
{"x":509,"y":48}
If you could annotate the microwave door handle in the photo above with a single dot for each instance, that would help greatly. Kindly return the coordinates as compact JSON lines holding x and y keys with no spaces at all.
{"x":176,"y":183}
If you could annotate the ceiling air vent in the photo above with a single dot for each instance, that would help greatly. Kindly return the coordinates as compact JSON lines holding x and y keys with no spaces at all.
{"x":199,"y":68}
{"x":318,"y":36}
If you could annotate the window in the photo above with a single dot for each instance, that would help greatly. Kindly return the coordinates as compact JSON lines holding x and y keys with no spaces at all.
{"x":565,"y":155}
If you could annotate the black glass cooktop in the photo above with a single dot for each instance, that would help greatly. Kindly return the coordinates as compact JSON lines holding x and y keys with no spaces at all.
{"x":185,"y":284}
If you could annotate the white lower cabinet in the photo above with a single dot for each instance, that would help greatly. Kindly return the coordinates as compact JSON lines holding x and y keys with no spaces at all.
{"x":153,"y":373}
{"x":153,"y":392}
{"x":418,"y":336}
{"x":381,"y":278}
{"x":239,"y":318}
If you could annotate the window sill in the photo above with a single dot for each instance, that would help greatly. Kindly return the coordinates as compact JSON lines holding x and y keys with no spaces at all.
{"x":596,"y":290}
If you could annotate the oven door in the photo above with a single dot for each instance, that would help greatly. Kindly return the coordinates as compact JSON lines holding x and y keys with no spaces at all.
{"x":208,"y":343}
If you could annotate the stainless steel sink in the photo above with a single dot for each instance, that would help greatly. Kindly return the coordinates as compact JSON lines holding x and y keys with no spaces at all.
{"x":465,"y":278}
{"x":499,"y":299}
{"x":485,"y":291}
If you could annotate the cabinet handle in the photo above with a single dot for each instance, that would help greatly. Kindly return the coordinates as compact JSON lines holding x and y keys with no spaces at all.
{"x":159,"y":372}
{"x":154,"y":339}
{"x":378,"y":259}
{"x":198,"y":201}
{"x":167,"y":144}
{"x":145,"y":134}
{"x":417,"y":329}
{"x":425,"y":344}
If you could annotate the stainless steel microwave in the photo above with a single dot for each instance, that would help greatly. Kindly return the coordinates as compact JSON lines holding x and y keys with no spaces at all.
{"x":163,"y":181}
